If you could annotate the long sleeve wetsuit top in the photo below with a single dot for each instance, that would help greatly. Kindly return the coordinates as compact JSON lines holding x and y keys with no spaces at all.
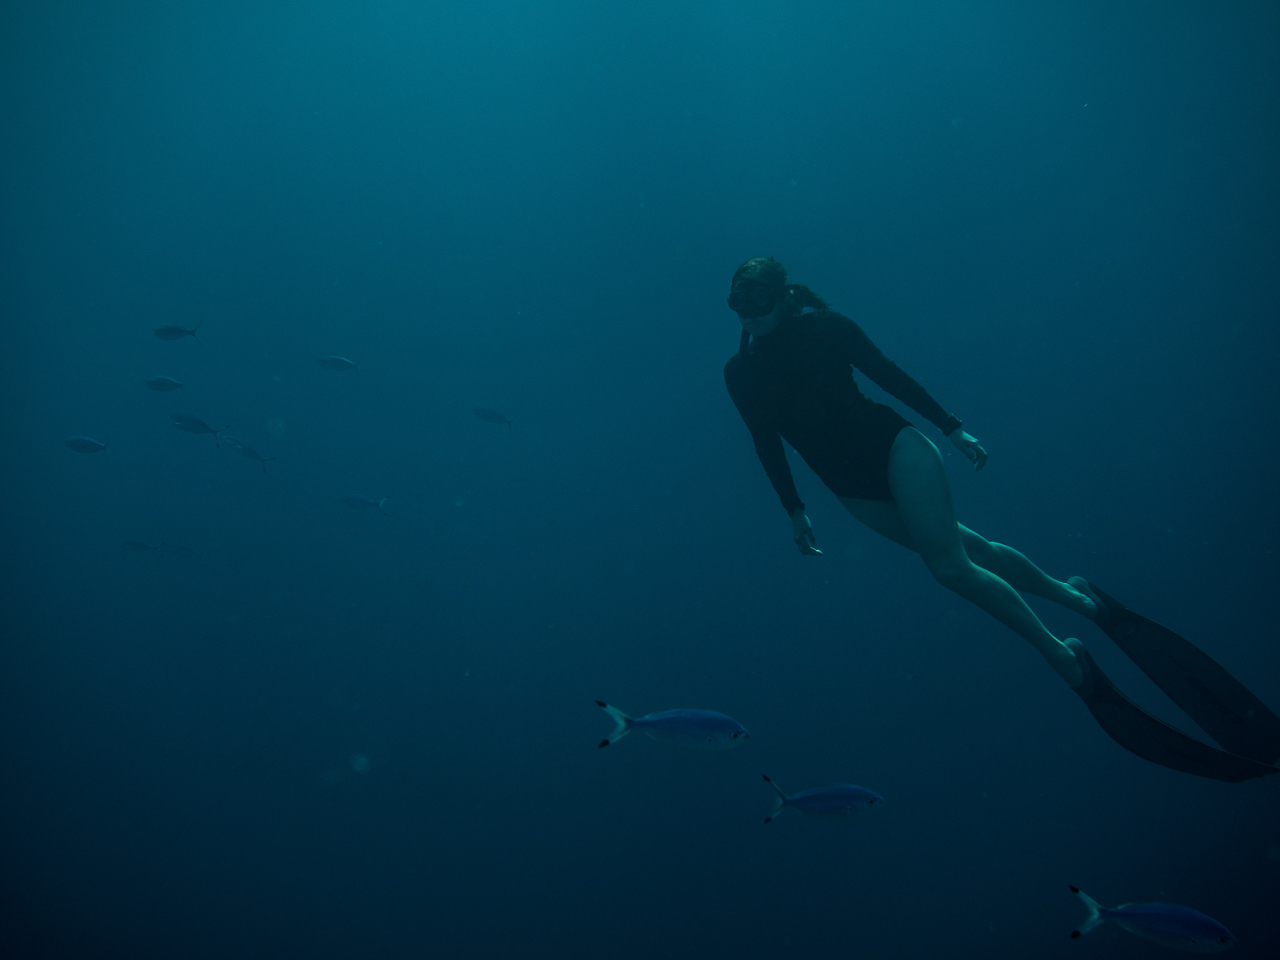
{"x":796,"y":384}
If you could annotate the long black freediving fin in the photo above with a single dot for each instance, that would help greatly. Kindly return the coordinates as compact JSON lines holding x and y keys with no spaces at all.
{"x":1150,"y":737}
{"x":1220,"y":704}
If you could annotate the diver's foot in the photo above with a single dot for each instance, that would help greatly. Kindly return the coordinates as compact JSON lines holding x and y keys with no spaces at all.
{"x":1069,"y":666}
{"x":1080,"y":598}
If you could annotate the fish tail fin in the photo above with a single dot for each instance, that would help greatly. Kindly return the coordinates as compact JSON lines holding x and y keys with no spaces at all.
{"x":621,"y":719}
{"x":193,"y":335}
{"x":1092,"y":920}
{"x":780,"y":801}
{"x":382,"y":503}
{"x":264,"y":463}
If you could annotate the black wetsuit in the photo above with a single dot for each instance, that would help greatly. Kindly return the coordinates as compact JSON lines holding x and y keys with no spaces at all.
{"x":795,"y":383}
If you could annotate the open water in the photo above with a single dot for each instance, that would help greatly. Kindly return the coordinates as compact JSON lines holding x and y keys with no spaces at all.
{"x":305,"y":729}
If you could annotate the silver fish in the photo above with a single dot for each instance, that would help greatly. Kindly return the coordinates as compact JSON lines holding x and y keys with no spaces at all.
{"x":835,"y":800}
{"x":337,"y":364}
{"x":357,"y":502}
{"x":242,"y":448}
{"x":172,"y":331}
{"x":84,"y":444}
{"x":195,"y":425}
{"x":1166,"y":923}
{"x":690,"y":729}
{"x":164,"y":384}
{"x":489,"y":415}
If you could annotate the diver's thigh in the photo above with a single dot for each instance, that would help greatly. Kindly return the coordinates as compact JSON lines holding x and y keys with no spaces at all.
{"x":882,"y":516}
{"x":922,"y":492}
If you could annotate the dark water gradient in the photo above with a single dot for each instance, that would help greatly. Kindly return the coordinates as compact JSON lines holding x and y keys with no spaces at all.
{"x":333,"y":733}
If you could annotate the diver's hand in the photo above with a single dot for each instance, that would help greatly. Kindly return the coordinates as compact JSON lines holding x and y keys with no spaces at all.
{"x":970,"y":447}
{"x":802,"y":534}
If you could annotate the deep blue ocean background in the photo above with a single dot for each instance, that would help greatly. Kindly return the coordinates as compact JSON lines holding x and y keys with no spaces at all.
{"x":303,"y":730}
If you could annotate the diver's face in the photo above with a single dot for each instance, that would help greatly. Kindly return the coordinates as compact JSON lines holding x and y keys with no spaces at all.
{"x":758,"y":307}
{"x":762,"y":326}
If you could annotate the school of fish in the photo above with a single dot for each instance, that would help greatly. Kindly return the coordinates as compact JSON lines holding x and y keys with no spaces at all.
{"x":189,"y":423}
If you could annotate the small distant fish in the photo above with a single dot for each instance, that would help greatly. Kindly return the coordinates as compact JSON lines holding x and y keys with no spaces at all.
{"x":337,"y":364}
{"x":489,"y":415}
{"x":172,"y":331}
{"x":357,"y":502}
{"x":137,"y":546}
{"x":242,"y":448}
{"x":836,"y":800}
{"x":690,"y":729}
{"x":195,"y":425}
{"x":164,"y":384}
{"x":1166,"y":923}
{"x":84,"y":444}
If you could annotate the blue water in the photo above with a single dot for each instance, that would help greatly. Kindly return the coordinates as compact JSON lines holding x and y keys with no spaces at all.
{"x":312,"y":731}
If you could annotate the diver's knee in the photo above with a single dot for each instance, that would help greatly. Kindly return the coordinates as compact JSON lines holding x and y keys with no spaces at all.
{"x":949,"y":571}
{"x":980,"y":550}
{"x":1000,"y":549}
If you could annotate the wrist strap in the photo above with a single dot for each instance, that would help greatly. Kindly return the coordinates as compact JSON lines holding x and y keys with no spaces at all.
{"x":953,"y":424}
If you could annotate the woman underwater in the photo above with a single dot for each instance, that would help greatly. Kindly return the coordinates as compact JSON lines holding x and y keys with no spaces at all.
{"x":791,"y":379}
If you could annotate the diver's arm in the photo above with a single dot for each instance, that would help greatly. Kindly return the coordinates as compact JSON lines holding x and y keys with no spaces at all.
{"x":859,"y":350}
{"x":754,"y":408}
{"x":855,"y":347}
{"x":774,"y":460}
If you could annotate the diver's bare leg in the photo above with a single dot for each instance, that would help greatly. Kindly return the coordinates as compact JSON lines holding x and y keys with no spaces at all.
{"x":1021,"y":574}
{"x":922,"y":493}
{"x":1004,"y":561}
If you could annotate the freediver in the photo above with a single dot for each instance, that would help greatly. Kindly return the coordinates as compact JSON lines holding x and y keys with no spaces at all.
{"x":791,"y":379}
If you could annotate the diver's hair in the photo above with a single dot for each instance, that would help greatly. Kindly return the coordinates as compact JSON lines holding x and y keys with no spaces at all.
{"x":797,"y":296}
{"x":764,"y":270}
